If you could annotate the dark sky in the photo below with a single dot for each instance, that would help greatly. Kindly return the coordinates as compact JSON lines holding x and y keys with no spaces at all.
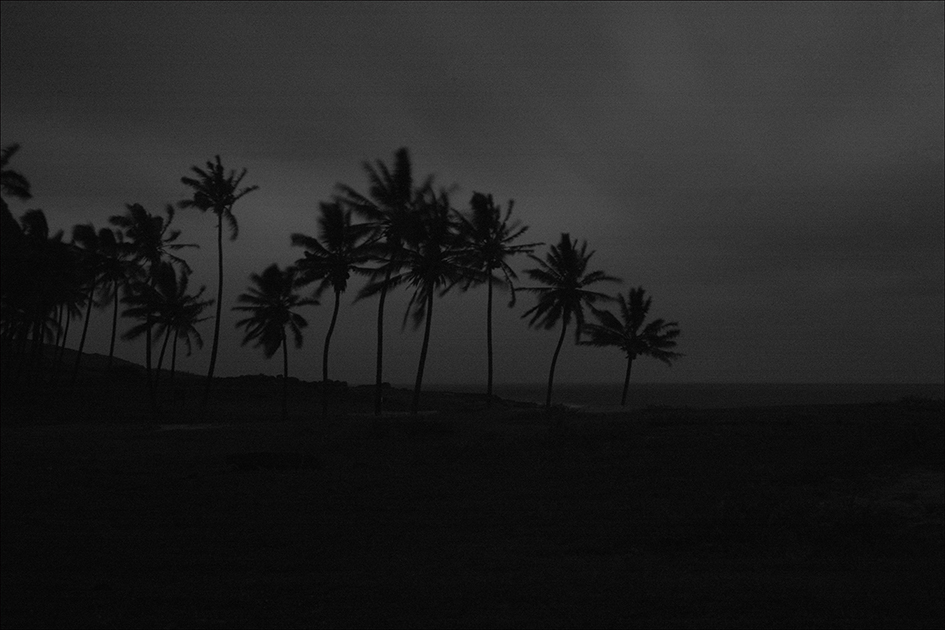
{"x":771,"y":173}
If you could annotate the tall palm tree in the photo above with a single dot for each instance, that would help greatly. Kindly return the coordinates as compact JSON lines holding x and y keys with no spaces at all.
{"x":565,"y":276}
{"x":488,"y":240}
{"x":342,"y":248}
{"x":270,"y":304}
{"x":391,"y":209}
{"x":150,"y":241}
{"x":216,"y":190}
{"x":656,"y":339}
{"x":433,"y":263}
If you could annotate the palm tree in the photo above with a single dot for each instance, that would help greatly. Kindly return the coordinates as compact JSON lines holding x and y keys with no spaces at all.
{"x":183,"y":322}
{"x":433,"y":263}
{"x":341,"y":249}
{"x":117,"y":271}
{"x":565,"y":276}
{"x":89,"y":243}
{"x":270,"y":304}
{"x":488,"y":238}
{"x":656,"y":339}
{"x":150,"y":241}
{"x":390,"y":208}
{"x":216,"y":190}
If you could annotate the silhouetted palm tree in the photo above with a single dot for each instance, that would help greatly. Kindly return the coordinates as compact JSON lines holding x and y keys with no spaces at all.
{"x":90,"y":244}
{"x":656,"y":339}
{"x":390,"y":208}
{"x":117,"y":271}
{"x":565,"y":276}
{"x":183,"y":323}
{"x":342,"y":248}
{"x":150,"y":240}
{"x":488,"y":240}
{"x":433,"y":263}
{"x":271,"y":303}
{"x":45,"y":269}
{"x":216,"y":190}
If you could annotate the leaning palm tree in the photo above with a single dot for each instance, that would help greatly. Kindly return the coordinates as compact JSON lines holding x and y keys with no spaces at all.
{"x":270,"y":304}
{"x":216,"y":190}
{"x":90,"y":244}
{"x":342,"y":248}
{"x":391,"y":209}
{"x":565,"y":276}
{"x":656,"y":339}
{"x":432,"y":263}
{"x":488,"y":240}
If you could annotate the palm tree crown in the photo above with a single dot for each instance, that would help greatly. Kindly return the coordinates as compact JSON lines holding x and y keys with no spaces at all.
{"x":215,"y":189}
{"x":565,"y":276}
{"x":656,"y":339}
{"x":271,"y":303}
{"x":488,"y":240}
{"x":342,"y":248}
{"x":150,"y":238}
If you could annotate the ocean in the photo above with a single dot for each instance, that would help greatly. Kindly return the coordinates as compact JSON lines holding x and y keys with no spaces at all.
{"x":703,"y":395}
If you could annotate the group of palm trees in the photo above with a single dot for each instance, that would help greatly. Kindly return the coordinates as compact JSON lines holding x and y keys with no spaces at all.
{"x":409,"y":235}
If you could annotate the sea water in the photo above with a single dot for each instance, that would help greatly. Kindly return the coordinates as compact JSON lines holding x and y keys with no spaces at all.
{"x":704,"y":395}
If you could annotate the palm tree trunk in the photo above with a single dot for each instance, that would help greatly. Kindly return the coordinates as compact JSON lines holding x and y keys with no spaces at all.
{"x":378,"y":377}
{"x":415,"y":406}
{"x":85,"y":330}
{"x":167,"y":336}
{"x":59,"y":311}
{"x":111,"y":345}
{"x":626,"y":381}
{"x":174,"y":355}
{"x":147,"y":355}
{"x":489,"y":343}
{"x":331,"y":329}
{"x":62,"y":347}
{"x":554,"y":360}
{"x":147,"y":350}
{"x":285,"y":376}
{"x":216,"y":323}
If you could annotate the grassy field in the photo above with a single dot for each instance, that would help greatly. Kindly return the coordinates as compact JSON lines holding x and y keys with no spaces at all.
{"x":815,"y":517}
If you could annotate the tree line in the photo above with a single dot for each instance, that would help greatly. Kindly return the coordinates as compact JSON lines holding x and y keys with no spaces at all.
{"x":398,"y":233}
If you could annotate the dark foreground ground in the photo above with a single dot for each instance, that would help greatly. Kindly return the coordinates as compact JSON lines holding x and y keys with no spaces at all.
{"x":814,"y":517}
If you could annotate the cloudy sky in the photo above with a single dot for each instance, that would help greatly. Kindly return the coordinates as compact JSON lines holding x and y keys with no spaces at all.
{"x":771,"y":173}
